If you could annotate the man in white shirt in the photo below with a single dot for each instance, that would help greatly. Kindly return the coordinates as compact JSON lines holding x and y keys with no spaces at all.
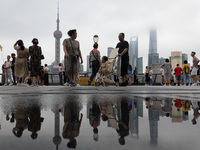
{"x":7,"y":67}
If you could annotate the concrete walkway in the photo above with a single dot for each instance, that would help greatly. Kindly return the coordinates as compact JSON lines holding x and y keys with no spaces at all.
{"x":13,"y":90}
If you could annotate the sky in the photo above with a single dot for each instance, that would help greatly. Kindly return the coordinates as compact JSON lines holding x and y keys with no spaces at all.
{"x":177,"y":23}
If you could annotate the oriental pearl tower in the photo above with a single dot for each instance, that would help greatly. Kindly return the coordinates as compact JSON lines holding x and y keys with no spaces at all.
{"x":57,"y":34}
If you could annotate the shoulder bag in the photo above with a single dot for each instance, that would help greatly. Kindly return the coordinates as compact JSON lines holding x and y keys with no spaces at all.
{"x":75,"y":56}
{"x":95,"y":56}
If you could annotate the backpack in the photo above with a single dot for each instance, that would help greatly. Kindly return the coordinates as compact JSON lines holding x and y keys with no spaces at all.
{"x":187,"y":70}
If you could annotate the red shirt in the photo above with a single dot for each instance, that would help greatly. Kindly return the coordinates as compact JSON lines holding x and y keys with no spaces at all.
{"x":178,"y":71}
{"x":178,"y":103}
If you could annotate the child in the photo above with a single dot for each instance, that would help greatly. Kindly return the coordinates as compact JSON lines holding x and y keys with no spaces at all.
{"x":7,"y":67}
{"x":103,"y":67}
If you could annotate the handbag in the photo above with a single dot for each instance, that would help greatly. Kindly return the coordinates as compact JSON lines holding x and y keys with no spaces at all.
{"x":75,"y":56}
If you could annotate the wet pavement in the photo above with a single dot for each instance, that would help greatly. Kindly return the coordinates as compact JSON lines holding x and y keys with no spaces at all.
{"x":181,"y":90}
{"x":49,"y":121}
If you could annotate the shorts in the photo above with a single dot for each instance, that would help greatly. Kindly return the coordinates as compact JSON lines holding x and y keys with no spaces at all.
{"x":178,"y":78}
{"x":194,"y":71}
{"x":167,"y":76}
{"x":124,"y":67}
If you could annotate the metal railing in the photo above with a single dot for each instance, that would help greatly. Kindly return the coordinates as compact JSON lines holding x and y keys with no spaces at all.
{"x":54,"y":78}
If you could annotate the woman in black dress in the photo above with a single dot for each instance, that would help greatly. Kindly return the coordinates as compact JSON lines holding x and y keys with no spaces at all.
{"x":35,"y":52}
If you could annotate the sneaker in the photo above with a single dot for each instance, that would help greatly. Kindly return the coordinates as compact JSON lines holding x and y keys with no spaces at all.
{"x":22,"y":84}
{"x":78,"y":85}
{"x":32,"y":85}
{"x":36,"y":85}
{"x":194,"y":84}
{"x":72,"y":84}
{"x":18,"y":84}
{"x":89,"y":82}
{"x":66,"y":84}
{"x":5,"y":84}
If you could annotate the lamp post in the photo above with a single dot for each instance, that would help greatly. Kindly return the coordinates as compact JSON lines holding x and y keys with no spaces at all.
{"x":96,"y":39}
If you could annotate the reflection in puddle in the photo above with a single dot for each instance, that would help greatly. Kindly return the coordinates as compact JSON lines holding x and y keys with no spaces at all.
{"x":81,"y":121}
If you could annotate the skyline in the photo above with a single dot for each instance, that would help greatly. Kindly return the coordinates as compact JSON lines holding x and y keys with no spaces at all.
{"x":177,"y":25}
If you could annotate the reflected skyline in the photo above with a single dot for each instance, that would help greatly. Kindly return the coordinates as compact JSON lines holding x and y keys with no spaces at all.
{"x":81,"y":119}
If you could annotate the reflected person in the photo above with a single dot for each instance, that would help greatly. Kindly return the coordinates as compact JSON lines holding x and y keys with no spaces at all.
{"x":21,"y":117}
{"x":123,"y":115}
{"x":166,"y":106}
{"x":36,"y":120}
{"x":94,"y":118}
{"x":72,"y":123}
{"x":108,"y":114}
{"x":196,"y":114}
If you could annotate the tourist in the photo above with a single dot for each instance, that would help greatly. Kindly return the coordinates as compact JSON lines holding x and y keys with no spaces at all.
{"x":167,"y":71}
{"x":150,"y":76}
{"x":123,"y":53}
{"x":7,"y":67}
{"x":178,"y":71}
{"x":3,"y":75}
{"x":46,"y":75}
{"x":13,"y":69}
{"x":194,"y":68}
{"x":130,"y":73}
{"x":186,"y":73}
{"x":21,"y":67}
{"x":72,"y":53}
{"x":94,"y":62}
{"x":35,"y":52}
{"x":103,"y":68}
{"x":61,"y":74}
{"x":162,"y":72}
{"x":135,"y":76}
{"x":146,"y":76}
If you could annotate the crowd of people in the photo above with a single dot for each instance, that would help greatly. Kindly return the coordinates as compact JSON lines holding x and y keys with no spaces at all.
{"x":184,"y":75}
{"x":27,"y":66}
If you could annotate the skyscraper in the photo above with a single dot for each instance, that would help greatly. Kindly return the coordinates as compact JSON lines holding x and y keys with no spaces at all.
{"x":140,"y":65}
{"x":133,"y":51}
{"x":176,"y":58}
{"x":57,"y":35}
{"x":153,"y":56}
{"x":184,"y":57}
{"x":161,"y":60}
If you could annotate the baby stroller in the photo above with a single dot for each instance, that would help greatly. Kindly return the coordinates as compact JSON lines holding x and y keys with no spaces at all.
{"x":108,"y":78}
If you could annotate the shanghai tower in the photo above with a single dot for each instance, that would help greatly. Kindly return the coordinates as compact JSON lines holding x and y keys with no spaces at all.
{"x":153,"y":55}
